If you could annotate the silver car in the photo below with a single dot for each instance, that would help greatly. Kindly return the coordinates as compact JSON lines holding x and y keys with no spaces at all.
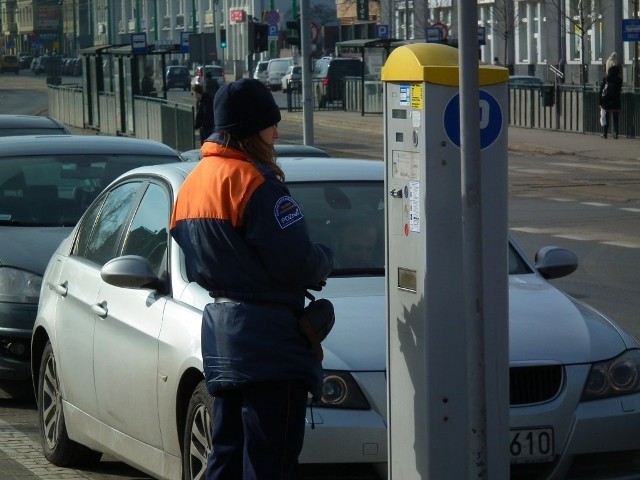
{"x":46,"y":183}
{"x":116,"y":353}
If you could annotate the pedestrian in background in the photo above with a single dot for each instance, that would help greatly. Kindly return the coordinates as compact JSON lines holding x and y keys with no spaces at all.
{"x":210,"y":84}
{"x":612,"y":61}
{"x":610,"y":99}
{"x":204,"y":112}
{"x":246,"y":241}
{"x":147,"y":87}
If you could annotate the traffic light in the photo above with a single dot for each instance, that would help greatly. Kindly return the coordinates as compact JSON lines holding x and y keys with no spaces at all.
{"x":223,"y":38}
{"x":293,"y":37}
{"x":258,"y":36}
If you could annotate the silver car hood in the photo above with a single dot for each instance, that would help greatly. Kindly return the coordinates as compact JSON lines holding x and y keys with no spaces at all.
{"x":30,"y":248}
{"x":547,"y":326}
{"x":358,"y":339}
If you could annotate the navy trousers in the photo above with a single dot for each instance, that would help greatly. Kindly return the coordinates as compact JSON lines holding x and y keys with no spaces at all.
{"x":257,"y":431}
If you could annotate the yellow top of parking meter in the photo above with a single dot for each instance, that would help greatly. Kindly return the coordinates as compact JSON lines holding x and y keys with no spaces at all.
{"x":434,"y":63}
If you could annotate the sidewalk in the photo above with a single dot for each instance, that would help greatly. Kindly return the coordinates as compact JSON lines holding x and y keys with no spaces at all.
{"x":366,"y":132}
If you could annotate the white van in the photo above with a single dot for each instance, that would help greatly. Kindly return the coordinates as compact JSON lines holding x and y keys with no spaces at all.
{"x":260,"y":73}
{"x":275,"y":71}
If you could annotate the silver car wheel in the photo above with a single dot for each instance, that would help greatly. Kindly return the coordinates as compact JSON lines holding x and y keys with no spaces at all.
{"x":51,"y":403}
{"x":198,"y":434}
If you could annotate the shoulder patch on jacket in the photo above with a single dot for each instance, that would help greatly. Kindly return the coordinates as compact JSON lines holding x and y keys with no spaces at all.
{"x":287,"y":211}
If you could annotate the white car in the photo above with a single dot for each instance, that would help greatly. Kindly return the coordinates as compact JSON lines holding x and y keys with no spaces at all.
{"x":117,"y":363}
{"x":292,"y":79}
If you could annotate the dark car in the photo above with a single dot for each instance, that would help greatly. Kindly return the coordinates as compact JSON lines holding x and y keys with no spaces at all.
{"x":328,"y":78}
{"x":9,"y":63}
{"x":178,"y":77}
{"x":46,"y":184}
{"x":25,"y":61}
{"x":11,"y":125}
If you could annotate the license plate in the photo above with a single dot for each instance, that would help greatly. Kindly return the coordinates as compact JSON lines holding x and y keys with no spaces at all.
{"x":531,"y":445}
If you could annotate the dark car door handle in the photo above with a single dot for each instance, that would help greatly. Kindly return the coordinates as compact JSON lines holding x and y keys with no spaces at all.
{"x":100,"y":309}
{"x":61,"y":289}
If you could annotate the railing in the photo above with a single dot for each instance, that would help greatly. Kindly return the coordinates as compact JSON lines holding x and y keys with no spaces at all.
{"x":562,"y":107}
{"x":167,"y":122}
{"x":571,"y":108}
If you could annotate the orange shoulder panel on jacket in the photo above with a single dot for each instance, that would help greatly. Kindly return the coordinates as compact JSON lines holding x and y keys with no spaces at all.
{"x":218,"y":188}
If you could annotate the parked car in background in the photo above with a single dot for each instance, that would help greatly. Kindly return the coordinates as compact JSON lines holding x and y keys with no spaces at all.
{"x":46,"y":183}
{"x":9,"y":63}
{"x":328,"y":78}
{"x":217,"y":73}
{"x":49,"y":64}
{"x":11,"y":125}
{"x":276,"y":69}
{"x":25,"y":61}
{"x":178,"y":77}
{"x":118,"y":313}
{"x":292,"y":78}
{"x":260,"y":72}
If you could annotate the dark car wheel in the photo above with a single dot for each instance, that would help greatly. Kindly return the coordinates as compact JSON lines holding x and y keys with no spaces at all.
{"x":197,"y":434}
{"x":58,"y":448}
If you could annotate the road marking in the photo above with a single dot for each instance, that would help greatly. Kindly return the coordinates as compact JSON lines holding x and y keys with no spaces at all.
{"x":575,"y":236}
{"x":594,"y":167}
{"x":533,"y":230}
{"x":632,"y":210}
{"x":623,"y":244}
{"x":596,"y":204}
{"x":562,"y":199}
{"x":27,"y":453}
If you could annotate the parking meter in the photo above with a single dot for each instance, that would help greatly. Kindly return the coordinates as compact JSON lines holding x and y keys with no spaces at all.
{"x":427,"y":357}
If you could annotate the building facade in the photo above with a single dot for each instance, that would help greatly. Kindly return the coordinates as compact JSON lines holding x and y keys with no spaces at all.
{"x":528,"y":36}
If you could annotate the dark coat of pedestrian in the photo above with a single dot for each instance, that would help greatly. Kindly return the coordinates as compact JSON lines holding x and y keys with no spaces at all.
{"x":147,"y":87}
{"x":204,"y":113}
{"x":610,"y":100}
{"x":210,"y":84}
{"x":246,"y":241}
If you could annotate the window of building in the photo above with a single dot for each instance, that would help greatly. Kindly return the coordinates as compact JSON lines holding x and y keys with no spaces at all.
{"x":528,"y":39}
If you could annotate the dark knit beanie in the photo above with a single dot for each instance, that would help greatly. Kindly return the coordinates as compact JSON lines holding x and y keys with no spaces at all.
{"x":244,"y":107}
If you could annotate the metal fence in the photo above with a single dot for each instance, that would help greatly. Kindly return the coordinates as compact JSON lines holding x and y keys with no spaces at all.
{"x":571,"y":108}
{"x":558,"y":107}
{"x":157,"y":119}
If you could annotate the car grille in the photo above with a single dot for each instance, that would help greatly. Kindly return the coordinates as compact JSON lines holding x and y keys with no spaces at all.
{"x":529,"y":385}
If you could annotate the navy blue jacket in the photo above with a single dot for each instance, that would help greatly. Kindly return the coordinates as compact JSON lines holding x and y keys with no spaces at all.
{"x":246,"y":239}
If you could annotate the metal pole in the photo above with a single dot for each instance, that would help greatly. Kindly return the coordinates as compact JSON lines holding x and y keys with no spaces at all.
{"x":485,"y":297}
{"x":75,"y":31}
{"x":60,"y":27}
{"x":472,"y":239}
{"x":307,"y":98}
{"x":138,"y":13}
{"x":193,"y":16}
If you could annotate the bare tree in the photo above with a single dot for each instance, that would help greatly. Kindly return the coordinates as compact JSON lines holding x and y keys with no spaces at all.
{"x":578,"y":17}
{"x":504,"y":23}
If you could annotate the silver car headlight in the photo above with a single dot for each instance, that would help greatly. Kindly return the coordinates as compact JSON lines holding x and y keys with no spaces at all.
{"x":340,"y":390}
{"x":19,"y":286}
{"x":619,"y":376}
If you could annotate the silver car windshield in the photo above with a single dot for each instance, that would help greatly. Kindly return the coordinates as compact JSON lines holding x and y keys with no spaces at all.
{"x":348,"y":217}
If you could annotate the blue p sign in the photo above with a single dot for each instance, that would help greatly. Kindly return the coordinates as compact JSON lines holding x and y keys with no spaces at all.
{"x":490,"y":120}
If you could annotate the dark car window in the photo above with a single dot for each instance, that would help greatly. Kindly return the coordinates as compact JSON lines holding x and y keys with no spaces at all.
{"x":148,"y":233}
{"x":348,"y":217}
{"x":55,"y":190}
{"x":109,"y":225}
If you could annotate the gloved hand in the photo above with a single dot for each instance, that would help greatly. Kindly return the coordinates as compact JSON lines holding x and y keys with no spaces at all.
{"x":318,"y":286}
